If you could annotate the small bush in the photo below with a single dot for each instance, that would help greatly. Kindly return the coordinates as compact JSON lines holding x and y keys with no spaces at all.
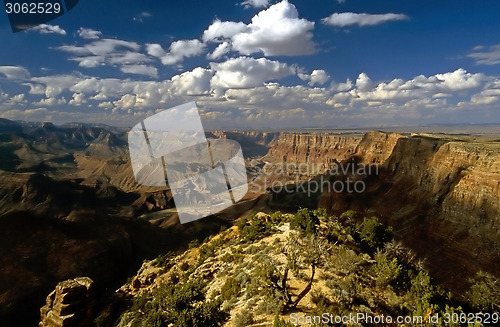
{"x":484,"y":293}
{"x":255,"y":229}
{"x":374,"y":234}
{"x":306,"y":221}
{"x":231,"y":289}
{"x":164,"y":260}
{"x":243,"y":318}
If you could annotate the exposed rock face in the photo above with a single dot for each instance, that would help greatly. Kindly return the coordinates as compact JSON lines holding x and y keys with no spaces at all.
{"x":442,"y":197}
{"x":376,"y":147}
{"x":312,"y":148}
{"x":70,"y":304}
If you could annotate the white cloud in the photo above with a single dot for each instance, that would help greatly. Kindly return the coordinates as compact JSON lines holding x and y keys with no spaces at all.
{"x":178,"y":51}
{"x":140,"y":70}
{"x":15,"y":100}
{"x":100,"y":47}
{"x":275,"y":31}
{"x":489,"y":95}
{"x":318,"y":76}
{"x":88,"y":33}
{"x":245,"y":72}
{"x":255,"y":3}
{"x":244,"y":92}
{"x":54,"y":85}
{"x":350,"y":18}
{"x":221,"y":50}
{"x":103,"y":52}
{"x":341,"y":87}
{"x":219,"y":30}
{"x":14,"y":72}
{"x":127,"y":101}
{"x":50,"y":102}
{"x":489,"y":56}
{"x":49,"y":29}
{"x":193,"y":82}
{"x":90,"y":61}
{"x":78,"y":99}
{"x":363,"y":82}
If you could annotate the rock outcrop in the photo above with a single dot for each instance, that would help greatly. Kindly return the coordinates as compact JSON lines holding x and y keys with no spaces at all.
{"x":442,"y":197}
{"x":70,"y":304}
{"x":312,"y":148}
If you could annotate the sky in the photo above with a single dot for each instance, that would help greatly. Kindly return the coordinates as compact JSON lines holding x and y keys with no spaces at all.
{"x":258,"y":64}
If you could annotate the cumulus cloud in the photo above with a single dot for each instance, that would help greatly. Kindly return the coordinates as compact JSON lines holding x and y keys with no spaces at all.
{"x":145,"y":70}
{"x":195,"y":82}
{"x":88,"y":33}
{"x":245,"y":72}
{"x":245,"y":91}
{"x":486,"y":56}
{"x":219,"y":30}
{"x":54,"y":85}
{"x":350,"y":18}
{"x":221,"y":50}
{"x":255,"y":3}
{"x":15,"y":100}
{"x":49,"y":29}
{"x":318,"y":76}
{"x":51,"y":102}
{"x":277,"y":30}
{"x":14,"y":72}
{"x":78,"y":99}
{"x":178,"y":51}
{"x":489,"y":95}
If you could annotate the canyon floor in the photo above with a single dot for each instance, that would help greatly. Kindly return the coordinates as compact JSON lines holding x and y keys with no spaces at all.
{"x":70,"y":207}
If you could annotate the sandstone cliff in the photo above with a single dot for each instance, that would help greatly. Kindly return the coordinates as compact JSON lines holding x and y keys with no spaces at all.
{"x":312,"y":148}
{"x":440,"y":194}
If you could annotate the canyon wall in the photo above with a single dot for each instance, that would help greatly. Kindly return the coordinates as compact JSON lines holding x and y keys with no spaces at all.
{"x":442,"y":195}
{"x":319,"y":148}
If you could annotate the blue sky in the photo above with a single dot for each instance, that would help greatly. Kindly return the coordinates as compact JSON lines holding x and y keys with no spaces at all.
{"x":258,"y":64}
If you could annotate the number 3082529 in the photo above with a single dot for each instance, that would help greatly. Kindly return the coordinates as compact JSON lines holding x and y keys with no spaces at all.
{"x":33,"y":8}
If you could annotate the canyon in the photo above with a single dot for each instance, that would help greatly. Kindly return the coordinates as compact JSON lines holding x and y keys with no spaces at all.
{"x":69,"y":192}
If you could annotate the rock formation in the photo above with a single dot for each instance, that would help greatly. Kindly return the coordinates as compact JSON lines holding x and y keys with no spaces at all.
{"x":440,"y":194}
{"x":70,"y":304}
{"x":318,"y":148}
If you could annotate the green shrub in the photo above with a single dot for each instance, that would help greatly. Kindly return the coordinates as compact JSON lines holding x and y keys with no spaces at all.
{"x":306,"y":221}
{"x":164,"y":260}
{"x":374,"y":234}
{"x":386,"y":270}
{"x":231,"y":289}
{"x":236,"y":255}
{"x":484,"y":294}
{"x":243,"y":318}
{"x":256,"y":229}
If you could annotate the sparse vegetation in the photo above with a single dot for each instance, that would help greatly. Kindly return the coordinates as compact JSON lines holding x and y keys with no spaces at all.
{"x":484,"y":293}
{"x":344,"y":264}
{"x":305,"y":220}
